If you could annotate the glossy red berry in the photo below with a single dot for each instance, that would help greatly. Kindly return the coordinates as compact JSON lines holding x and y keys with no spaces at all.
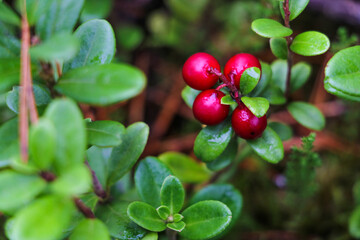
{"x":196,"y":71}
{"x":207,"y":107}
{"x":238,"y":64}
{"x":246,"y":125}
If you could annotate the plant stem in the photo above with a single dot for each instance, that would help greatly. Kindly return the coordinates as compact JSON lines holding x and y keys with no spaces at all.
{"x":87,"y":212}
{"x":171,"y":234}
{"x":98,"y":189}
{"x":289,"y":40}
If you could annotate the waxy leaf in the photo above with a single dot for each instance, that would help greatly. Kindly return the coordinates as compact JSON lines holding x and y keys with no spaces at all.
{"x":149,"y":177}
{"x":163,"y":212}
{"x":185,"y":168}
{"x":279,"y":73}
{"x":9,"y":142}
{"x":7,"y":15}
{"x":70,"y":133}
{"x":102,"y":84}
{"x":249,"y":79}
{"x":18,"y":189}
{"x":205,"y":219}
{"x":60,"y":47}
{"x":354,"y":223}
{"x":124,"y":156}
{"x":34,"y":9}
{"x":225,"y":158}
{"x":228,"y":100}
{"x":176,"y":226}
{"x":120,"y":226}
{"x":295,"y":6}
{"x":265,"y":79}
{"x":172,"y":194}
{"x":189,"y":94}
{"x":146,"y":216}
{"x":332,"y":90}
{"x":98,"y":159}
{"x":178,"y":217}
{"x":97,"y":44}
{"x":105,"y":133}
{"x":42,"y":143}
{"x":52,"y":213}
{"x":258,"y":105}
{"x":307,"y":115}
{"x":9,"y":43}
{"x":268,"y":146}
{"x":279,"y":47}
{"x":342,"y":73}
{"x":57,"y":16}
{"x":151,"y":236}
{"x":310,"y":43}
{"x":284,"y":131}
{"x":212,"y":141}
{"x":95,"y":9}
{"x":300,"y":73}
{"x":90,"y":229}
{"x":270,"y":28}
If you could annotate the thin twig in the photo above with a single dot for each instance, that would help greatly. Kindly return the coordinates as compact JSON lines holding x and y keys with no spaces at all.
{"x":87,"y":212}
{"x":98,"y":189}
{"x":289,"y":40}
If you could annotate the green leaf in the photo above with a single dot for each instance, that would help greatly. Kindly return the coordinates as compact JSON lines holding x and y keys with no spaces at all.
{"x":42,"y":144}
{"x":295,"y":6}
{"x":9,"y":142}
{"x":205,"y":219}
{"x":52,"y":213}
{"x":9,"y":43}
{"x":279,"y":73}
{"x":105,"y":133}
{"x":114,"y":215}
{"x":7,"y":15}
{"x":58,"y":16}
{"x":224,"y":193}
{"x":264,"y":80}
{"x":284,"y":131}
{"x":9,"y":73}
{"x":300,"y":73}
{"x":274,"y":94}
{"x":42,"y":97}
{"x":270,"y":28}
{"x":342,"y":73}
{"x":212,"y":141}
{"x":95,"y":9}
{"x":354,"y":223}
{"x":124,"y":156}
{"x":149,"y":177}
{"x":151,"y":236}
{"x":176,"y":226}
{"x":90,"y":229}
{"x":187,"y":10}
{"x":279,"y":47}
{"x":102,"y":84}
{"x":310,"y":43}
{"x":307,"y":115}
{"x":268,"y":146}
{"x":258,"y":105}
{"x":184,"y":167}
{"x":227,"y":100}
{"x":163,"y":212}
{"x":70,"y":138}
{"x":339,"y":93}
{"x":146,"y":216}
{"x":98,"y":159}
{"x":172,"y":194}
{"x":34,"y":9}
{"x":249,"y":79}
{"x":97,"y":44}
{"x":129,"y":37}
{"x":189,"y":94}
{"x":18,"y":189}
{"x":59,"y":47}
{"x":225,"y":158}
{"x":178,"y":217}
{"x":77,"y":180}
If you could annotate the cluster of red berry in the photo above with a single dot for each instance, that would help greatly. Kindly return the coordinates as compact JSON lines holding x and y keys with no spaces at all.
{"x":202,"y":71}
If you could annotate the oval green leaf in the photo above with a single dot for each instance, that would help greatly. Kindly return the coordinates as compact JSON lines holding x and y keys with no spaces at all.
{"x":296,"y":7}
{"x":98,"y":159}
{"x":300,"y":74}
{"x":163,"y":212}
{"x":268,"y":146}
{"x":310,"y":43}
{"x":90,"y":229}
{"x":97,"y":44}
{"x":189,"y":94}
{"x":249,"y":79}
{"x":225,"y":158}
{"x":279,"y":73}
{"x":279,"y":47}
{"x":265,"y":79}
{"x":102,"y":84}
{"x":176,"y":226}
{"x":342,"y":73}
{"x":105,"y":133}
{"x":205,"y":219}
{"x":95,"y":9}
{"x":227,"y":100}
{"x":284,"y":131}
{"x":212,"y":141}
{"x":330,"y":89}
{"x":172,"y":194}
{"x":307,"y":115}
{"x":185,"y":168}
{"x":149,"y":177}
{"x":257,"y":105}
{"x":270,"y":28}
{"x":274,"y":94}
{"x":146,"y":216}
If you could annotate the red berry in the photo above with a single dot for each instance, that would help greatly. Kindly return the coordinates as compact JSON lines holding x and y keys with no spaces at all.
{"x":246,"y":125}
{"x":207,"y":107}
{"x":195,"y":71}
{"x":238,"y":64}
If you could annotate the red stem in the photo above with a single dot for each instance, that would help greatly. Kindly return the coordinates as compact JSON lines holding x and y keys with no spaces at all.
{"x":289,"y":40}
